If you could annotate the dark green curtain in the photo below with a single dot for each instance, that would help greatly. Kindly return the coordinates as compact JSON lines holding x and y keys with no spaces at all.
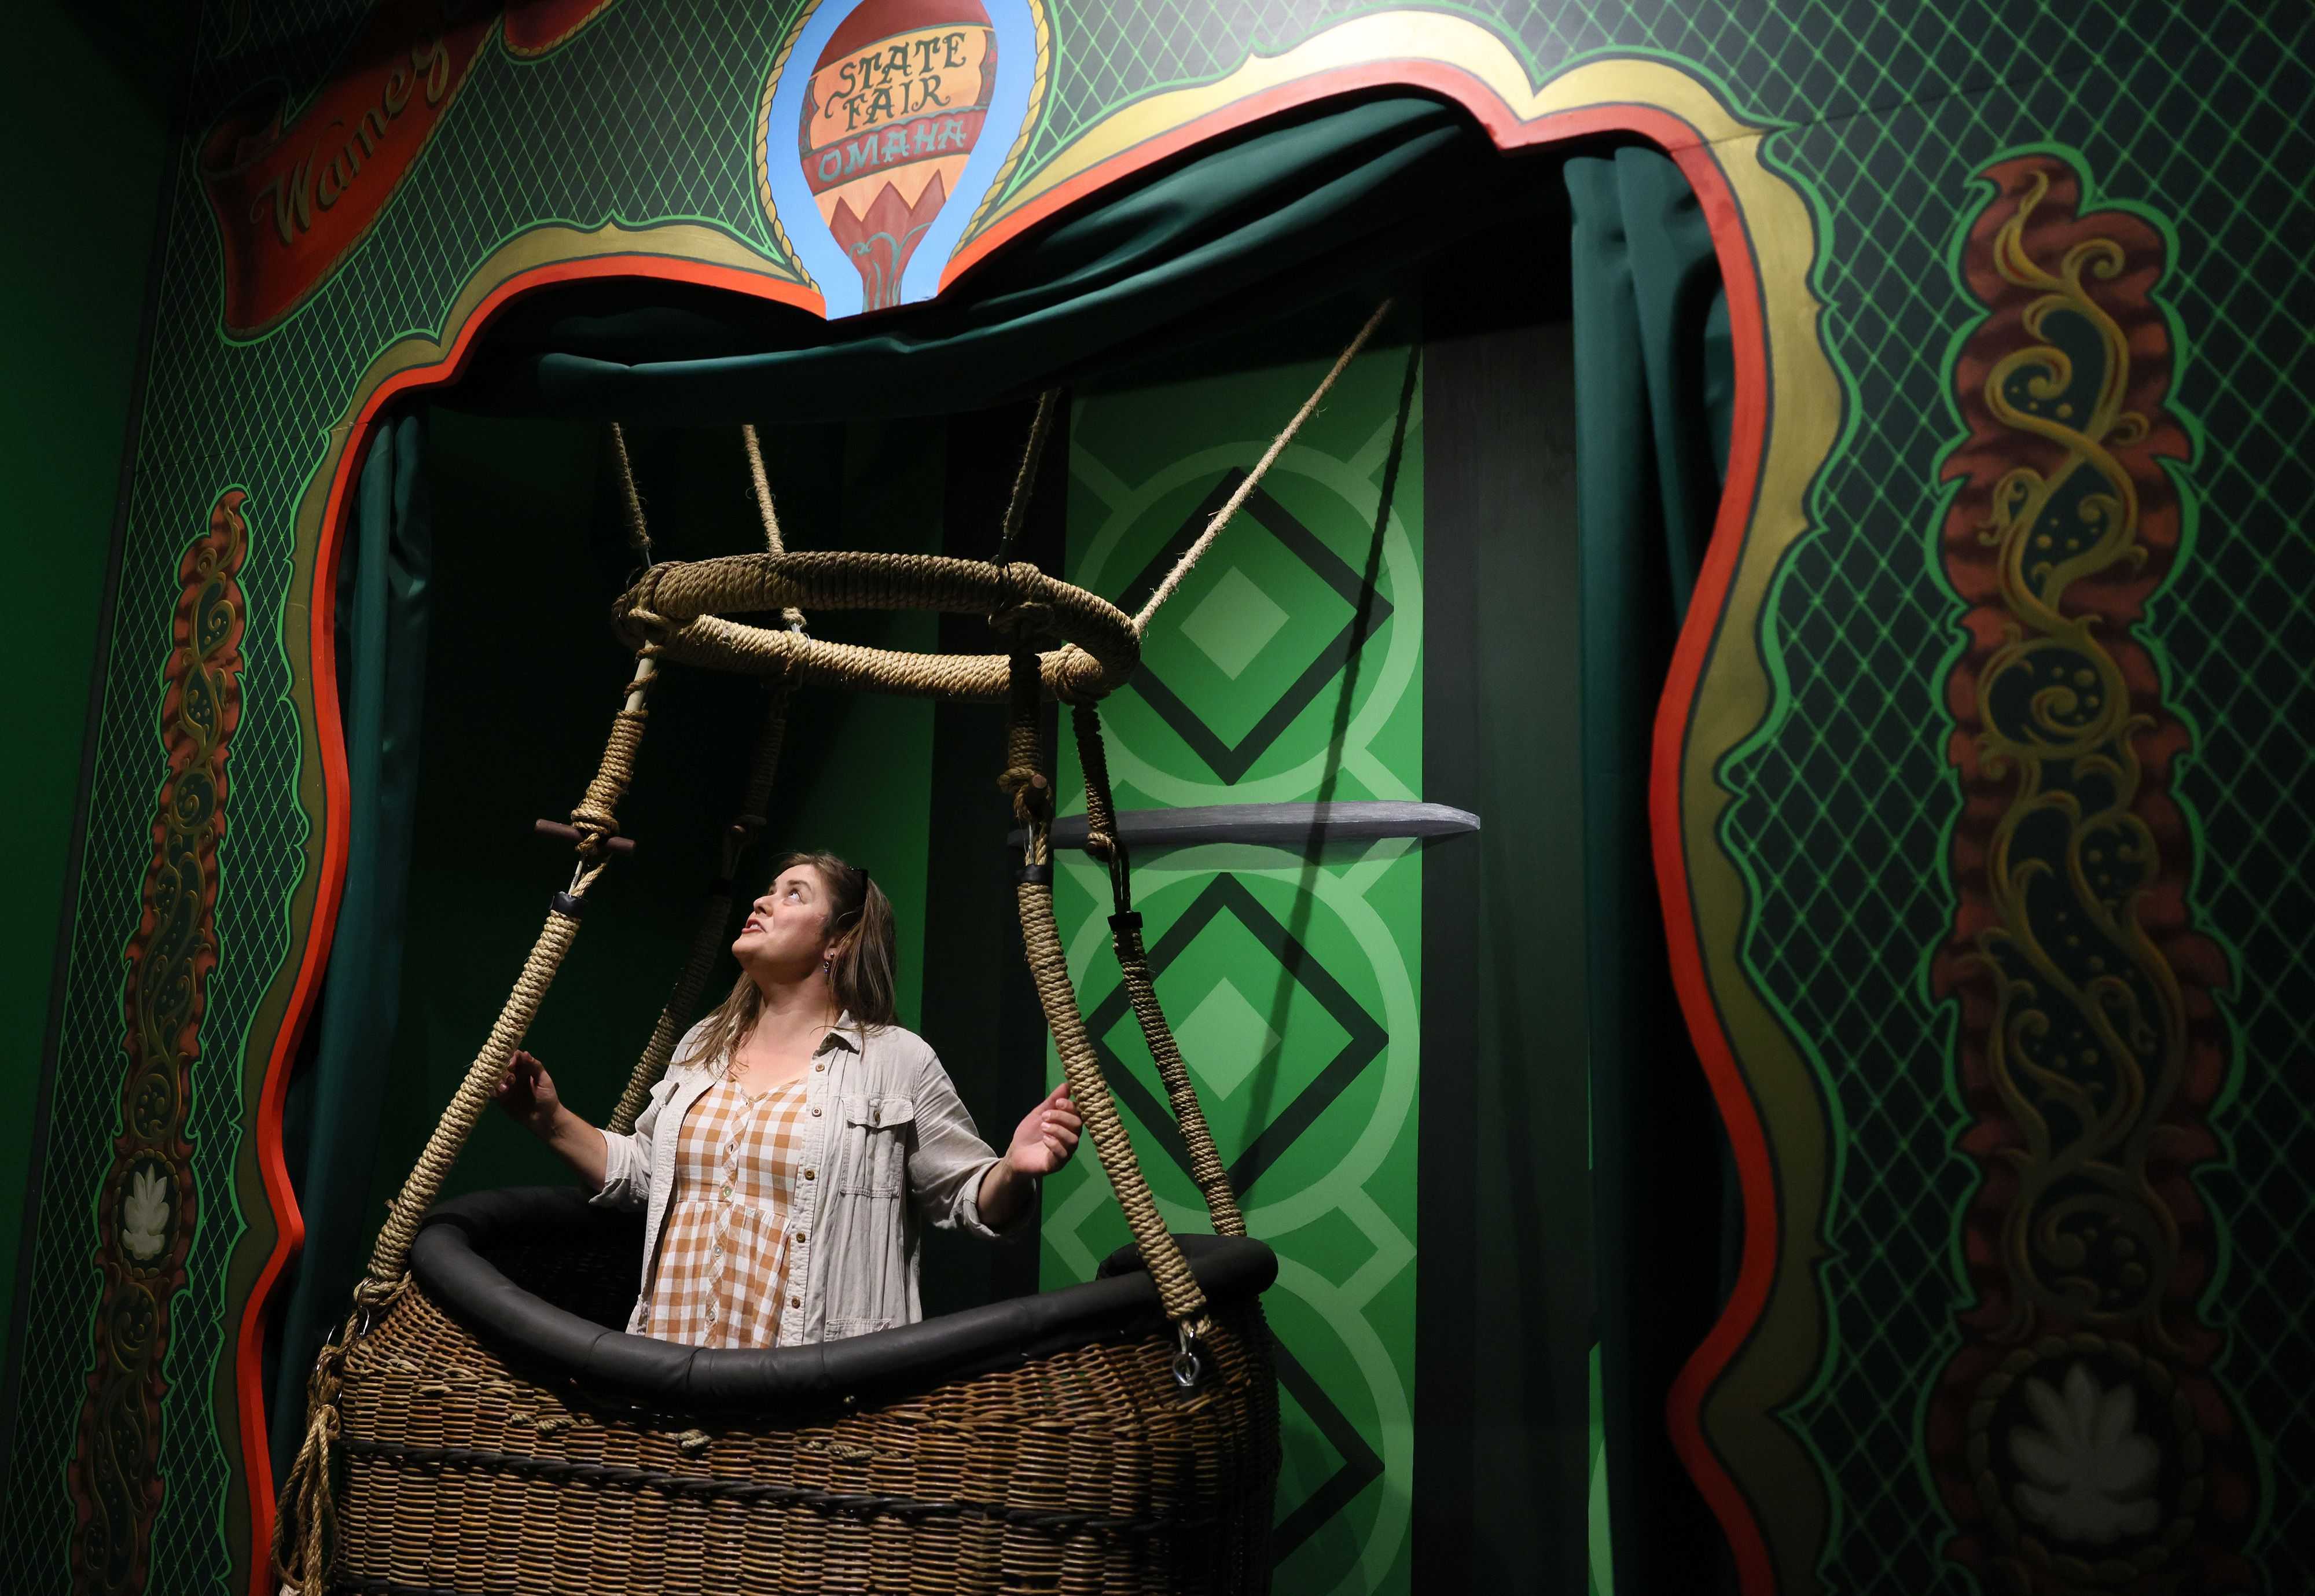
{"x":1653,"y":388}
{"x":331,"y":1120}
{"x":1343,"y":200}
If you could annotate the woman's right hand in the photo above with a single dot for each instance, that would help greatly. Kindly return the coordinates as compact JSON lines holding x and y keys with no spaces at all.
{"x":527,"y":1092}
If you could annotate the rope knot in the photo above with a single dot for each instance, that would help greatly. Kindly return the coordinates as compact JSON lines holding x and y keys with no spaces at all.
{"x":379,"y":1296}
{"x":596,"y":828}
{"x":1026,"y":627}
{"x":1031,"y":792}
{"x":635,"y":612}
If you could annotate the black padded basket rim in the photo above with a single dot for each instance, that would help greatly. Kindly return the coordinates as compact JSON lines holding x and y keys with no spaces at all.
{"x":449,"y":1263}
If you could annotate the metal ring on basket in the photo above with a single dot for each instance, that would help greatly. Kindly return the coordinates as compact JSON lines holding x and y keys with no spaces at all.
{"x":682,"y":612}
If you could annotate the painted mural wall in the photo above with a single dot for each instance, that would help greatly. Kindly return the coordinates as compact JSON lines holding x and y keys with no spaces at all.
{"x":1981,"y":806}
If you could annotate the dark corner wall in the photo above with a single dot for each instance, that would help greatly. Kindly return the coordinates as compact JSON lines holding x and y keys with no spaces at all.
{"x":80,"y":185}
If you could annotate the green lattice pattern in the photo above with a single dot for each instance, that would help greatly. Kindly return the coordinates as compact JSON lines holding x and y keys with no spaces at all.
{"x":1844,"y":804}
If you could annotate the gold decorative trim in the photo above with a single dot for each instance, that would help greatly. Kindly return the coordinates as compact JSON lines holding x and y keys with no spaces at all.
{"x":763,"y":134}
{"x":1734,"y":697}
{"x":1042,"y":75}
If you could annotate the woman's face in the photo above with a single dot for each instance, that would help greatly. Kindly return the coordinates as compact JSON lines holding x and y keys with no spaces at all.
{"x":787,"y":933}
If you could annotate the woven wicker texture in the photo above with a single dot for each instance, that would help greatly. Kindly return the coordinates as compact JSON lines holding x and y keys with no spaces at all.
{"x":1081,"y":1472}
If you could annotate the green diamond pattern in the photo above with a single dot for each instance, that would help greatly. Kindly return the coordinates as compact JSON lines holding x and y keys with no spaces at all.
{"x":1227,"y":1036}
{"x":1279,"y":1007}
{"x":1234,"y":623}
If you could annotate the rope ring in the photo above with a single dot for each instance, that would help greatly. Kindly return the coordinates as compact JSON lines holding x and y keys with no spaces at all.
{"x":683,"y":606}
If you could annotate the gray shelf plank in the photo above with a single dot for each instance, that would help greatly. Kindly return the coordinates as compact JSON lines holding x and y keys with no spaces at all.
{"x":1273,"y":825}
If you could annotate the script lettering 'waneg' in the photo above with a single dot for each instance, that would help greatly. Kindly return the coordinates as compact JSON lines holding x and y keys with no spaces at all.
{"x":291,"y":199}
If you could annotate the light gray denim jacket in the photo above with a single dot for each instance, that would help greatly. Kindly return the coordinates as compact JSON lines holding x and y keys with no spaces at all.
{"x":882,"y":1121}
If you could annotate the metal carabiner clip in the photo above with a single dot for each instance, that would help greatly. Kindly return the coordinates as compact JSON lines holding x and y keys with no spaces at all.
{"x":1189,"y":1366}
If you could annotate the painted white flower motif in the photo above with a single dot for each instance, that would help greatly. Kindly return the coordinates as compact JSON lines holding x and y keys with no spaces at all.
{"x":145,"y":1216}
{"x":2089,"y":1473}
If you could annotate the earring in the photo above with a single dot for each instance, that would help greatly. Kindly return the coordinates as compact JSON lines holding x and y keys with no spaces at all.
{"x":828,"y":964}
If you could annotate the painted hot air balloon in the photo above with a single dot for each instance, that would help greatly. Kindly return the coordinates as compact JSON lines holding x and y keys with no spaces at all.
{"x":897,"y":98}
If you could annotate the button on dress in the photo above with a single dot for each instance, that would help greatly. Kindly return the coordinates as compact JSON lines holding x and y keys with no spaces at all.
{"x":729,"y":1251}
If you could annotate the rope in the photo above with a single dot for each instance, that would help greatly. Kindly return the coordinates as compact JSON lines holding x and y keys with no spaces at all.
{"x":555,"y":939}
{"x":1221,"y":516}
{"x":630,"y":500}
{"x":1025,"y":482}
{"x":675,"y":612}
{"x":307,"y":1514}
{"x":715,"y":919}
{"x":392,"y":1255}
{"x":305,"y":1518}
{"x":1206,"y":1166}
{"x":791,"y":618}
{"x":713,"y":643}
{"x":1183,"y":1298}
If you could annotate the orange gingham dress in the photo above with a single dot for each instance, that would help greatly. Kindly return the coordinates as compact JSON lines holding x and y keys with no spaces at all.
{"x":726,"y":1255}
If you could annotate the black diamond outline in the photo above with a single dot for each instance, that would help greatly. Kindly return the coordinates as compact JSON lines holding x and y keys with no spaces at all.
{"x":1364,"y":1043}
{"x":1365,"y":1039}
{"x":1361,"y":1465}
{"x":1368,"y":610}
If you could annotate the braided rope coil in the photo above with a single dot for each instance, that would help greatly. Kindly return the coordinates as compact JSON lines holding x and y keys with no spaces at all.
{"x":680,"y":612}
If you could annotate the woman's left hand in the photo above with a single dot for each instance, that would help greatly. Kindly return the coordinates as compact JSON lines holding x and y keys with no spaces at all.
{"x":1047,"y":1138}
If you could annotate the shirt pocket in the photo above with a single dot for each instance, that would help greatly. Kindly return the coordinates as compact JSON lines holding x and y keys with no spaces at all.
{"x":877,"y":1131}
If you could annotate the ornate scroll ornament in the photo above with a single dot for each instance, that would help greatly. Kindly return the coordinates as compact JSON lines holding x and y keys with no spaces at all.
{"x":146,"y":1205}
{"x":2080,"y":1437}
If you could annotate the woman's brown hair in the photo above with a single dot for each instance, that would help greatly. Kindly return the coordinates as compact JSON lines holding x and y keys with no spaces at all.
{"x":861,"y":975}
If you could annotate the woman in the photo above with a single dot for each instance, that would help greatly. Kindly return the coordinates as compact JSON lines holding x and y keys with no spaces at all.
{"x":776,"y":1156}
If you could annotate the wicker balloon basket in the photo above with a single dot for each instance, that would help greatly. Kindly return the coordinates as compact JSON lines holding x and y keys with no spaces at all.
{"x":497,"y":1437}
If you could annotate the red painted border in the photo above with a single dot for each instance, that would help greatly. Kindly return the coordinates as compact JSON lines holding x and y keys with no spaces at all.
{"x":1748,"y":1138}
{"x":1747,"y":448}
